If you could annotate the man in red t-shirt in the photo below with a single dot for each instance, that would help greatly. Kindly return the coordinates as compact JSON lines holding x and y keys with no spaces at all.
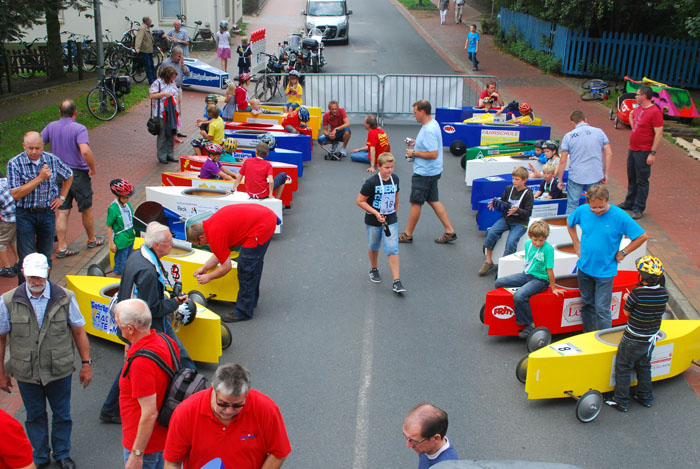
{"x":647,"y":130}
{"x":15,"y":449}
{"x":259,"y":183}
{"x":490,"y":92}
{"x":142,"y":390}
{"x":377,"y":143}
{"x":336,"y":127}
{"x":242,"y":426}
{"x":250,"y":226}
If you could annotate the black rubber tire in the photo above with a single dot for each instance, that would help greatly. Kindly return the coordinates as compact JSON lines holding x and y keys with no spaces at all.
{"x":521,"y":369}
{"x":198,"y":297}
{"x":587,"y":84}
{"x":94,"y":270}
{"x":102,"y":104}
{"x":482,"y":313}
{"x":226,"y":337}
{"x":314,"y":65}
{"x":612,"y":111}
{"x":616,"y":122}
{"x":463,"y":162}
{"x":593,"y":96}
{"x":458,"y":148}
{"x":538,"y":338}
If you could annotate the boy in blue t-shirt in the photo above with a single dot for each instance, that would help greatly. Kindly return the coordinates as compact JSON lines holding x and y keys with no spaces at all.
{"x":472,"y":46}
{"x":537,"y":275}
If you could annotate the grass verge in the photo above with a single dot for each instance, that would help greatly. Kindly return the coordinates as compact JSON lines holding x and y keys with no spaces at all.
{"x":415,"y":5}
{"x":12,"y":131}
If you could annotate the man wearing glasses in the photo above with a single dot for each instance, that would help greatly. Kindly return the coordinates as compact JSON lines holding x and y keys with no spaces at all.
{"x":425,"y":431}
{"x":241,"y":426}
{"x":602,"y":228}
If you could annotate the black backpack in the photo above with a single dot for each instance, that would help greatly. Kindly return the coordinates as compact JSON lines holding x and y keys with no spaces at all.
{"x":183,"y":381}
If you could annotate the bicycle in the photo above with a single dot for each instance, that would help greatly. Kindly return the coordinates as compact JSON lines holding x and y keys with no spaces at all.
{"x":28,"y":63}
{"x":129,"y":35}
{"x":70,"y":53}
{"x":202,"y":38}
{"x":128,"y":62}
{"x":267,"y":85}
{"x":106,"y":99}
{"x":596,"y":89}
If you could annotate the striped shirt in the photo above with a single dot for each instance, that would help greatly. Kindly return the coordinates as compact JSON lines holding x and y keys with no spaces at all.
{"x":7,"y":203}
{"x":646,"y":305}
{"x":21,"y":170}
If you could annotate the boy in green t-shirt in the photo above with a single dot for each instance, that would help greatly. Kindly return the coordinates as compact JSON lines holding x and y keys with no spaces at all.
{"x":537,"y":275}
{"x":120,"y":224}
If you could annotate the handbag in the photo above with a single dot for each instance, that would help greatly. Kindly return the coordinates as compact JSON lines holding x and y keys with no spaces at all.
{"x":153,"y":124}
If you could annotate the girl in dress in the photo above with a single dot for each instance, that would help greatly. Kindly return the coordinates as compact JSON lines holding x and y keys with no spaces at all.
{"x":224,"y":48}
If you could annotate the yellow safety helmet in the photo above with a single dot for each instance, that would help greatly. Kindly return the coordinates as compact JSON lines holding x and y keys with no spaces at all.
{"x":651,"y":265}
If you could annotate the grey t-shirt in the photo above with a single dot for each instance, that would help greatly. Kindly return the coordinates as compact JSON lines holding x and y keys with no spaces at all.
{"x":585,"y":146}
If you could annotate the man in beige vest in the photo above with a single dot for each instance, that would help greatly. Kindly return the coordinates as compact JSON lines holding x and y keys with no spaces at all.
{"x":42,"y":320}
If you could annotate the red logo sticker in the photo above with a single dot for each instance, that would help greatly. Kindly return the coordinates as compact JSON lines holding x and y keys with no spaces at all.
{"x":448,"y":129}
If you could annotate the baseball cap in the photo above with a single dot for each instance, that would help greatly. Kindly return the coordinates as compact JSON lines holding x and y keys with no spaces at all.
{"x":35,"y":265}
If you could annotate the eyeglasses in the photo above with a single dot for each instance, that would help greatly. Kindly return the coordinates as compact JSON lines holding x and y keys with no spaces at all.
{"x":414,"y":443}
{"x":598,"y":209}
{"x":226,"y":405}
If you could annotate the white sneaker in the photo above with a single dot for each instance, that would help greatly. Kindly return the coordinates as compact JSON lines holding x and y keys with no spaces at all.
{"x":344,"y":151}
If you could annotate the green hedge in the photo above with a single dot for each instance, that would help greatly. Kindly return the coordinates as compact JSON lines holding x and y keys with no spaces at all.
{"x":512,"y":43}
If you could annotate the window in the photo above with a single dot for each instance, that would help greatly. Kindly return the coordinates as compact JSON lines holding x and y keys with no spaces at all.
{"x":170,"y":8}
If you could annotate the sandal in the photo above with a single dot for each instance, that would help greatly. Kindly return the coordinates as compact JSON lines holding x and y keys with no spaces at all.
{"x":446,"y":238}
{"x":66,"y":253}
{"x":98,"y":242}
{"x":404,"y":238}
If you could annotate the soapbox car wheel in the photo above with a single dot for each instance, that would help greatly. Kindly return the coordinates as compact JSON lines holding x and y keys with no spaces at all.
{"x":198,"y":297}
{"x":95,"y":270}
{"x":589,"y":406}
{"x":463,"y":162}
{"x":458,"y":148}
{"x":482,"y":312}
{"x":612,"y":111}
{"x":226,"y":337}
{"x":521,"y":369}
{"x":616,"y":122}
{"x":538,"y":338}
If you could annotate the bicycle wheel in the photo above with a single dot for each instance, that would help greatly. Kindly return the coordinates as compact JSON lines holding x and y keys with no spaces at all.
{"x":89,"y":60}
{"x":261,"y":91}
{"x":157,"y":57}
{"x":138,"y":71}
{"x":102,"y":104}
{"x":594,"y":83}
{"x":26,"y":67}
{"x":595,"y":95}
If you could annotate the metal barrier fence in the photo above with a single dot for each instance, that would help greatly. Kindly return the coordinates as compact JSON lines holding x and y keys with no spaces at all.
{"x":387,"y":96}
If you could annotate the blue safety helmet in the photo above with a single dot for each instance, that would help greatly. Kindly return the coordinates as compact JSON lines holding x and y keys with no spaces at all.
{"x":304,"y":115}
{"x":269,"y":140}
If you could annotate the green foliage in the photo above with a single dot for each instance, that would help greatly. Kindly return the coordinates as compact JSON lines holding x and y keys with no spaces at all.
{"x":418,"y":4}
{"x":489,"y":25}
{"x":12,"y":131}
{"x":511,"y":42}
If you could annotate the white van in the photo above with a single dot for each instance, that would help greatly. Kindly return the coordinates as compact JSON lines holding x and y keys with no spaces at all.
{"x":331,"y":17}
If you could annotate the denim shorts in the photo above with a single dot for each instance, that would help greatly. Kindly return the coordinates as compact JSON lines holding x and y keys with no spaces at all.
{"x":375,"y":235}
{"x":120,"y":258}
{"x":424,"y":189}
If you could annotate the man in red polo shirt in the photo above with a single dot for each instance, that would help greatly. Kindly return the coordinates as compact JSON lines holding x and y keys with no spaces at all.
{"x":377,"y":143}
{"x":250,"y":226}
{"x":336,"y":127}
{"x":15,"y":449}
{"x":647,"y":131}
{"x":142,"y":390}
{"x":242,"y":426}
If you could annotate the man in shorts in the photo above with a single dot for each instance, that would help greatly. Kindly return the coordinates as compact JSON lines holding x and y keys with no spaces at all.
{"x":336,"y":127}
{"x":69,"y":141}
{"x":427,"y":169}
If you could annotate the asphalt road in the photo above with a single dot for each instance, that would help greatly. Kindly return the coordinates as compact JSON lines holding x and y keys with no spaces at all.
{"x":345,"y":359}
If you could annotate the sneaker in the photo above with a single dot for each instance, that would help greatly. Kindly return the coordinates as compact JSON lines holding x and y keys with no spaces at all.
{"x":486,"y":267}
{"x":624,"y":206}
{"x":398,"y":286}
{"x":7,"y":272}
{"x":637,"y":215}
{"x":641,"y":402}
{"x":343,"y":152}
{"x":616,"y":405}
{"x":334,"y":146}
{"x":109,"y":418}
{"x":526,"y":332}
{"x":374,"y":276}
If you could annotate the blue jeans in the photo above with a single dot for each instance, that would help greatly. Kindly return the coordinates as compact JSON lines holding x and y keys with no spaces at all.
{"x":35,"y":232}
{"x":633,"y":355}
{"x":120,"y":258}
{"x":375,"y":236}
{"x":472,"y":57}
{"x":147,"y":61}
{"x":250,"y":267}
{"x":322,"y":139}
{"x":34,"y":397}
{"x":529,"y":285}
{"x":596,"y":294}
{"x":517,"y":230}
{"x":573,"y":194}
{"x":638,"y":174}
{"x":150,"y":460}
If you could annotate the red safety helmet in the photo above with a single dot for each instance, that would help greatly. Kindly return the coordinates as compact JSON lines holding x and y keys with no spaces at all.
{"x":214,"y":148}
{"x":525,"y":108}
{"x":121,"y":187}
{"x":243,"y":78}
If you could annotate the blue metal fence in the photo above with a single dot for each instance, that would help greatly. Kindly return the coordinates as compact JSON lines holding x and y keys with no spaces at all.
{"x":672,"y":61}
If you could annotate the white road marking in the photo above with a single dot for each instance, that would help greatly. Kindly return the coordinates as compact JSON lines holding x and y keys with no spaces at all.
{"x":362,"y":418}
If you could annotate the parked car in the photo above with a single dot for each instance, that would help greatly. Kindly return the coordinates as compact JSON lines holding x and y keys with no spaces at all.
{"x":331,"y":17}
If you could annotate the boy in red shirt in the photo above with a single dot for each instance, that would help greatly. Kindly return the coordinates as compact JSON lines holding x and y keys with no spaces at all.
{"x":296,"y":120}
{"x":259,"y":183}
{"x":377,"y":143}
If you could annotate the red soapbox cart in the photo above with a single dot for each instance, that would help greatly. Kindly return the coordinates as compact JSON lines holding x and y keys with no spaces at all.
{"x":551,"y":314}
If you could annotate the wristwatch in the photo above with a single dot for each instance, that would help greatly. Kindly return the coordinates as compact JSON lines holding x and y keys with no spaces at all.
{"x":62,"y":197}
{"x":653,"y":152}
{"x":87,"y":362}
{"x":623,"y":252}
{"x":136,"y":452}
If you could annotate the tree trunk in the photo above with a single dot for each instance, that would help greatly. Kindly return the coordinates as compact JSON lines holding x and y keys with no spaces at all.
{"x":54,"y":56}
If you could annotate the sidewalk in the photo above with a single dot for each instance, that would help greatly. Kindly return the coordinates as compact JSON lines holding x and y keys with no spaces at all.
{"x":672,"y":230}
